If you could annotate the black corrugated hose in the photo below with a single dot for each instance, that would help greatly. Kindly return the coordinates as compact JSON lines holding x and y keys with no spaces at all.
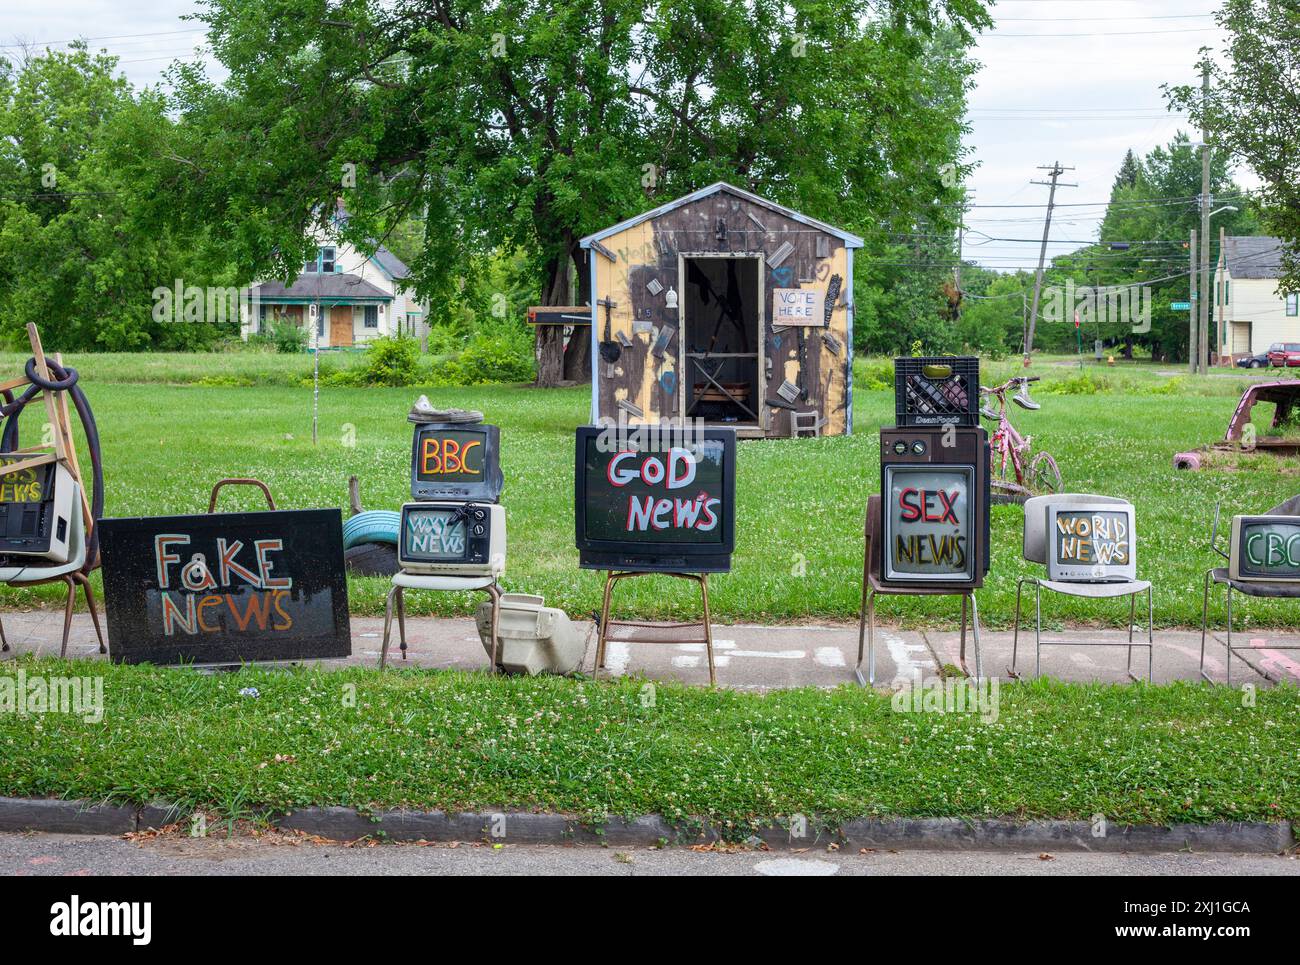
{"x":65,"y":380}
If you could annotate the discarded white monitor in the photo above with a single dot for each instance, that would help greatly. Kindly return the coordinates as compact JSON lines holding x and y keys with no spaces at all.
{"x":36,"y":507}
{"x":1265,"y":549}
{"x":452,"y":538}
{"x":1091,"y":542}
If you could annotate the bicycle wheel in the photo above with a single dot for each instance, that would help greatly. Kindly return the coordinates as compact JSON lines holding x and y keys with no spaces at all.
{"x":1044,"y":476}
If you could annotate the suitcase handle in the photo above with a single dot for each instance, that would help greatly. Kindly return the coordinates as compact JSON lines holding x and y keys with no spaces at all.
{"x":212,"y":502}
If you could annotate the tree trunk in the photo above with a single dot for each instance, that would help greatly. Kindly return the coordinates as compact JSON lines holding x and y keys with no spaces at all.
{"x":549,"y":346}
{"x":577,"y":356}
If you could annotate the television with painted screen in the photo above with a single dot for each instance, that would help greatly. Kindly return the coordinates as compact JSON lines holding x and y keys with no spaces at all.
{"x":1265,"y":549}
{"x":1091,"y":542}
{"x":457,"y":460}
{"x":452,"y":538}
{"x":655,"y":500}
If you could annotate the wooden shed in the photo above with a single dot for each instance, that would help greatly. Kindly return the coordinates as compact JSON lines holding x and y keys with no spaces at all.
{"x":726,"y":307}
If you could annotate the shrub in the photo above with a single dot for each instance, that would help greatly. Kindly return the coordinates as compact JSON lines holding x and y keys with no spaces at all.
{"x":390,"y":360}
{"x":282,"y":336}
{"x":487,"y":358}
{"x":1081,"y":384}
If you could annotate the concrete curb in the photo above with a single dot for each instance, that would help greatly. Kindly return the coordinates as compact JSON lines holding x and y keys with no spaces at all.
{"x":525,"y":827}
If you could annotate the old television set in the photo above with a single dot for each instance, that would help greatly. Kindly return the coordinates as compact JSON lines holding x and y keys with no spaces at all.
{"x":654,"y":499}
{"x":36,"y":507}
{"x":450,"y":538}
{"x":934,"y":486}
{"x":1091,"y":542}
{"x":457,"y":460}
{"x":1265,"y":549}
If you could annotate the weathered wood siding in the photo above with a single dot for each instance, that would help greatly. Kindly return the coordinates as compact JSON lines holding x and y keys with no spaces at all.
{"x":649,"y":251}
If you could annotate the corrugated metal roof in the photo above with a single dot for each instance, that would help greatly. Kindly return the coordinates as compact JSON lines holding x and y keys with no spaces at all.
{"x":1253,"y":256}
{"x":850,"y":240}
{"x":322,"y":285}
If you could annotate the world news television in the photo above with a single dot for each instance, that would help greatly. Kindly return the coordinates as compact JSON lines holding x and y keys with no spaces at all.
{"x":36,"y":507}
{"x":655,"y":498}
{"x":454,"y":526}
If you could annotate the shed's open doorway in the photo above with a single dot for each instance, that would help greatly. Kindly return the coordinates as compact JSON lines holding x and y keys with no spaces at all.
{"x":722,"y":338}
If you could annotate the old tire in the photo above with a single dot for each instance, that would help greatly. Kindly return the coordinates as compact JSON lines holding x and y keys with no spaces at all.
{"x":375,"y":526}
{"x":371,"y":559}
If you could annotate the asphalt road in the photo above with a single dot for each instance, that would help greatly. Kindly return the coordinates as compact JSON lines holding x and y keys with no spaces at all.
{"x":63,"y":854}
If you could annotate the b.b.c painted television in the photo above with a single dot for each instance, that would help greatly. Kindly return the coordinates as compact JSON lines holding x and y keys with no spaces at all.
{"x":1265,"y":549}
{"x":456,"y":461}
{"x":448,"y":538}
{"x":1091,"y":542}
{"x":662,"y":501}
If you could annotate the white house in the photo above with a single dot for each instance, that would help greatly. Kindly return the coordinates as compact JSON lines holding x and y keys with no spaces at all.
{"x":1254,"y":313}
{"x":350,"y":297}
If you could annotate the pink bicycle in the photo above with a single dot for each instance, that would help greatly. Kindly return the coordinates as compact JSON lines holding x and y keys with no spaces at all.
{"x":1033,"y":476}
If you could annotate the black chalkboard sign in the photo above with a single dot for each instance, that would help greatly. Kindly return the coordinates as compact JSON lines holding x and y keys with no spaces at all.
{"x":226,"y":587}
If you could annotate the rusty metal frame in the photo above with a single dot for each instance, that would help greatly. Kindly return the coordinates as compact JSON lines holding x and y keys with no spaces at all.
{"x":613,"y":577}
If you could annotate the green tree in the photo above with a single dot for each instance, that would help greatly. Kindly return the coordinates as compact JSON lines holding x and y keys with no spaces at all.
{"x":1144,"y":244}
{"x":1252,"y":110}
{"x":525,"y":125}
{"x":76,"y":255}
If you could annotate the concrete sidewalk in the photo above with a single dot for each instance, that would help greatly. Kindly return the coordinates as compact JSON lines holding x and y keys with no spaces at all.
{"x":763,"y":657}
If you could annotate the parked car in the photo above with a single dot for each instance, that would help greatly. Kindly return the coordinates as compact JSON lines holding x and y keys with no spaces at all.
{"x":1285,"y":354}
{"x":1252,"y":361}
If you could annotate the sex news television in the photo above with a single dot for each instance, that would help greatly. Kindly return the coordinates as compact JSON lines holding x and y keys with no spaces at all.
{"x":655,"y":500}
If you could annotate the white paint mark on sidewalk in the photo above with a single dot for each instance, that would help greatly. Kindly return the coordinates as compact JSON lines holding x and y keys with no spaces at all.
{"x":617,"y":656}
{"x":910,"y":671}
{"x":796,"y":867}
{"x":829,"y":657}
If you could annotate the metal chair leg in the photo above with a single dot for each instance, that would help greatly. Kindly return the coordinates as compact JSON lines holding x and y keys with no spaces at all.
{"x":67,"y":616}
{"x":602,"y":631}
{"x":1015,"y":633}
{"x":975,"y":626}
{"x":1038,"y":629}
{"x":1151,"y":637}
{"x":871,"y":639}
{"x":4,"y":644}
{"x":494,"y":592}
{"x":961,"y":653}
{"x":1132,"y":614}
{"x":401,"y":618}
{"x":1205,"y":619}
{"x":1229,"y":586}
{"x":708,"y":628}
{"x":388,"y":627}
{"x":90,"y":605}
{"x":862,"y":632}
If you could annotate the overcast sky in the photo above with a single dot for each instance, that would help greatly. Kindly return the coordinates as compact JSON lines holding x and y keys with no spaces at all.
{"x":1074,"y":81}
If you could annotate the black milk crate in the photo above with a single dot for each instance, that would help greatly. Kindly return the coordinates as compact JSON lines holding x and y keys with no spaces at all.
{"x":948,"y":395}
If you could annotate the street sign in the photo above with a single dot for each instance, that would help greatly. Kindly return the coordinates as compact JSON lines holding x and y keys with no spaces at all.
{"x":1180,"y":306}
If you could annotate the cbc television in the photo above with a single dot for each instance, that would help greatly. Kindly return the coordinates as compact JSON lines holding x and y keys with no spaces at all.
{"x":667,"y":507}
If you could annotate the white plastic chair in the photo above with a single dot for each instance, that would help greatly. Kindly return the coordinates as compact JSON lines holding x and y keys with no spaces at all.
{"x":1036,"y":548}
{"x":404,"y":581}
{"x":70,"y":572}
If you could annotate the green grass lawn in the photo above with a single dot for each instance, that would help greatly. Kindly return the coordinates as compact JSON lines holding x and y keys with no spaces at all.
{"x":165,"y":444}
{"x":429,"y":739}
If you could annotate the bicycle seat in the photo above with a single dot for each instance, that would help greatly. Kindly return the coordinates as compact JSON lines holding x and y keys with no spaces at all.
{"x":1023,"y":400}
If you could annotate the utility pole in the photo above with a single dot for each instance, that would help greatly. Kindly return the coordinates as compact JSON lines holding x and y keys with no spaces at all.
{"x":1222,"y":336}
{"x":1192,"y":338}
{"x":1056,"y":171}
{"x":961,"y":238}
{"x":1203,"y":335}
